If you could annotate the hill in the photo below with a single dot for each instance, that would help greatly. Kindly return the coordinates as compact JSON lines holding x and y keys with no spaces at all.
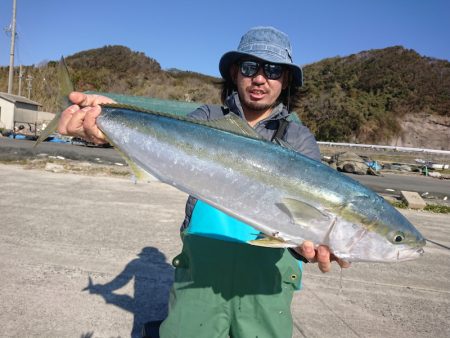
{"x":367,"y":97}
{"x":384,"y":96}
{"x":116,"y":69}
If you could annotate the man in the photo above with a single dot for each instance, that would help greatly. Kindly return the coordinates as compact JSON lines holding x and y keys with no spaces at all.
{"x":223,"y":286}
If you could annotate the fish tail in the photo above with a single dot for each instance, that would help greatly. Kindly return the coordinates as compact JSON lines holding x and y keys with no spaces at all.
{"x":65,"y":88}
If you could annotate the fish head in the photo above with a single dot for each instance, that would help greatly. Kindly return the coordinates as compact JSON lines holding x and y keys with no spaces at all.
{"x":375,"y":232}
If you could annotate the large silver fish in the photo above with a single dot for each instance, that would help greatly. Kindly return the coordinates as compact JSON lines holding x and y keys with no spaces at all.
{"x":285,"y":195}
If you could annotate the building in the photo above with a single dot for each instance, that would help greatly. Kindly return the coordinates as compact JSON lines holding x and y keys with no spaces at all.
{"x":16,"y":111}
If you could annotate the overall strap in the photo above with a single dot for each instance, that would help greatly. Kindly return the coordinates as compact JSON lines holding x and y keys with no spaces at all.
{"x":279,"y":133}
{"x":225,"y":110}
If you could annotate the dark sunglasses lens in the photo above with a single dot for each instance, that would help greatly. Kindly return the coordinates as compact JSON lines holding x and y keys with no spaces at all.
{"x":272,"y":71}
{"x":249,"y":68}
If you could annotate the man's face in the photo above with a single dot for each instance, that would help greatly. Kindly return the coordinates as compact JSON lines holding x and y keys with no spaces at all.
{"x":258,"y":93}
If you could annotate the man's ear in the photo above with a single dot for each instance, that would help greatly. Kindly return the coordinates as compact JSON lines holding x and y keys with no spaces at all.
{"x":233,"y":73}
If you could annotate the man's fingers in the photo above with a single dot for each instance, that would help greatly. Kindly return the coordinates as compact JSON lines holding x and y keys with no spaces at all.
{"x":85,"y":100}
{"x":324,"y":267}
{"x":90,"y":126}
{"x":323,"y":258}
{"x":321,"y":255}
{"x":66,"y":116}
{"x":74,"y":126}
{"x":343,"y":264}
{"x":307,"y":250}
{"x":77,"y":98}
{"x":80,"y":119}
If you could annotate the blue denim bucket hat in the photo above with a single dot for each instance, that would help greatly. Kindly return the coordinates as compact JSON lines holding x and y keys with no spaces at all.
{"x":264,"y":43}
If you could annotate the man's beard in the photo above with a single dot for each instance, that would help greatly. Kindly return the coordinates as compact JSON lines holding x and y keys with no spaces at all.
{"x":256,"y":106}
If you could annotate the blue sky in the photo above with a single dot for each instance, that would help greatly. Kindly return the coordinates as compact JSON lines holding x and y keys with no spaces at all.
{"x":193,"y":35}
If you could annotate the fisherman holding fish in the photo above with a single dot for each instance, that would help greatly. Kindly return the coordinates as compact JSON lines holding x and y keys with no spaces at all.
{"x":224,"y":286}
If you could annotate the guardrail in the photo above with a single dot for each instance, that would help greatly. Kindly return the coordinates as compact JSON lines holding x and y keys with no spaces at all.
{"x":374,"y":146}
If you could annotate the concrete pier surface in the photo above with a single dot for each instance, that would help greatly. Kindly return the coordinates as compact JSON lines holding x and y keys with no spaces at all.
{"x":85,"y":256}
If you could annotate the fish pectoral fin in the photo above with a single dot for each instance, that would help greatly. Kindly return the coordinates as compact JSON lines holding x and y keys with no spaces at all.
{"x":300,"y":212}
{"x":270,"y":242}
{"x":138,"y":173}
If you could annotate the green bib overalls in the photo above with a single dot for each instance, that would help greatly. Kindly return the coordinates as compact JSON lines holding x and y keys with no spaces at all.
{"x":230,"y":288}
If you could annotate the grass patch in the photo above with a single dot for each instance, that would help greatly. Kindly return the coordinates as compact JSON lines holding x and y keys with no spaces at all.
{"x":16,"y":161}
{"x":399,"y":204}
{"x":436,"y":208}
{"x":442,"y":209}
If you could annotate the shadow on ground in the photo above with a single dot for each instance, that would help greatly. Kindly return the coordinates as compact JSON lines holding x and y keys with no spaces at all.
{"x":153,"y":277}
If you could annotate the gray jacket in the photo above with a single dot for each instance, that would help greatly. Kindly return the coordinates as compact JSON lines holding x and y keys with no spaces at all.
{"x":296,"y":135}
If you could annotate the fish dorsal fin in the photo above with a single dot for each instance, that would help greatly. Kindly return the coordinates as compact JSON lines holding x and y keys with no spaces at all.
{"x":300,"y":212}
{"x":233,"y":124}
{"x":230,"y":122}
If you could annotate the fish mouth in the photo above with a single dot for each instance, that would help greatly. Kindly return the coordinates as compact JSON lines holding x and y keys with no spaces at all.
{"x":406,"y":255}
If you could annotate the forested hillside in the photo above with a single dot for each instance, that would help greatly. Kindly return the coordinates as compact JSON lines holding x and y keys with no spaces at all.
{"x":116,"y":69}
{"x":364,"y":97}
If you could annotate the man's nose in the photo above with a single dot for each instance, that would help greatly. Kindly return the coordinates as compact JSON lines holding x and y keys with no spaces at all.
{"x":259,"y":77}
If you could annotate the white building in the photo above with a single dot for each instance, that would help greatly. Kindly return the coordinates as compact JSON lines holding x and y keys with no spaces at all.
{"x":18,"y":110}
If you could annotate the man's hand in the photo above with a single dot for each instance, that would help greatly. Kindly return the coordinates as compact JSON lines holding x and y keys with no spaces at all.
{"x":321,"y":255}
{"x":93,"y":288}
{"x":80,"y":119}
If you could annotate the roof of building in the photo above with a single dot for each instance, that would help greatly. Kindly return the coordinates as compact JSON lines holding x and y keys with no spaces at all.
{"x":16,"y":98}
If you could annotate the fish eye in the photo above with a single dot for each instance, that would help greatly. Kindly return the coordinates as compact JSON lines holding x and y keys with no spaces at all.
{"x":399,"y":237}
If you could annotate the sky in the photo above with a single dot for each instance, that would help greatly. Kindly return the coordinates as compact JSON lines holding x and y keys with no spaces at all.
{"x":193,"y":35}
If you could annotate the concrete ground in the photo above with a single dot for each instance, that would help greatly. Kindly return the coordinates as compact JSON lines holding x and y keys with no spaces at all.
{"x":86,"y":256}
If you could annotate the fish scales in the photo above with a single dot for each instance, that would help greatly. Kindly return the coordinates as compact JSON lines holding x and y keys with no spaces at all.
{"x":276,"y":190}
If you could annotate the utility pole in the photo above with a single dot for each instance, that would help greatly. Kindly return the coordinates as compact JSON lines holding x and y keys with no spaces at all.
{"x":11,"y":54}
{"x":20,"y":80}
{"x":29,"y":85}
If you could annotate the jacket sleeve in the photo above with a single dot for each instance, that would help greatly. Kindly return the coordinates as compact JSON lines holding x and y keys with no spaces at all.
{"x":201,"y":113}
{"x":208,"y":112}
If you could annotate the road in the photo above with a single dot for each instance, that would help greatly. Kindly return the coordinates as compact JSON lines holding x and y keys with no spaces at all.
{"x":429,"y":187}
{"x":60,"y":232}
{"x":19,"y":149}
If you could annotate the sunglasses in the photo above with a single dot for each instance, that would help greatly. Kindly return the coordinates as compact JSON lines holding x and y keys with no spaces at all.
{"x":271,"y":70}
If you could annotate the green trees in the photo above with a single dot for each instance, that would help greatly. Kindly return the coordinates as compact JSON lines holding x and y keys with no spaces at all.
{"x":116,"y":69}
{"x":358,"y":98}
